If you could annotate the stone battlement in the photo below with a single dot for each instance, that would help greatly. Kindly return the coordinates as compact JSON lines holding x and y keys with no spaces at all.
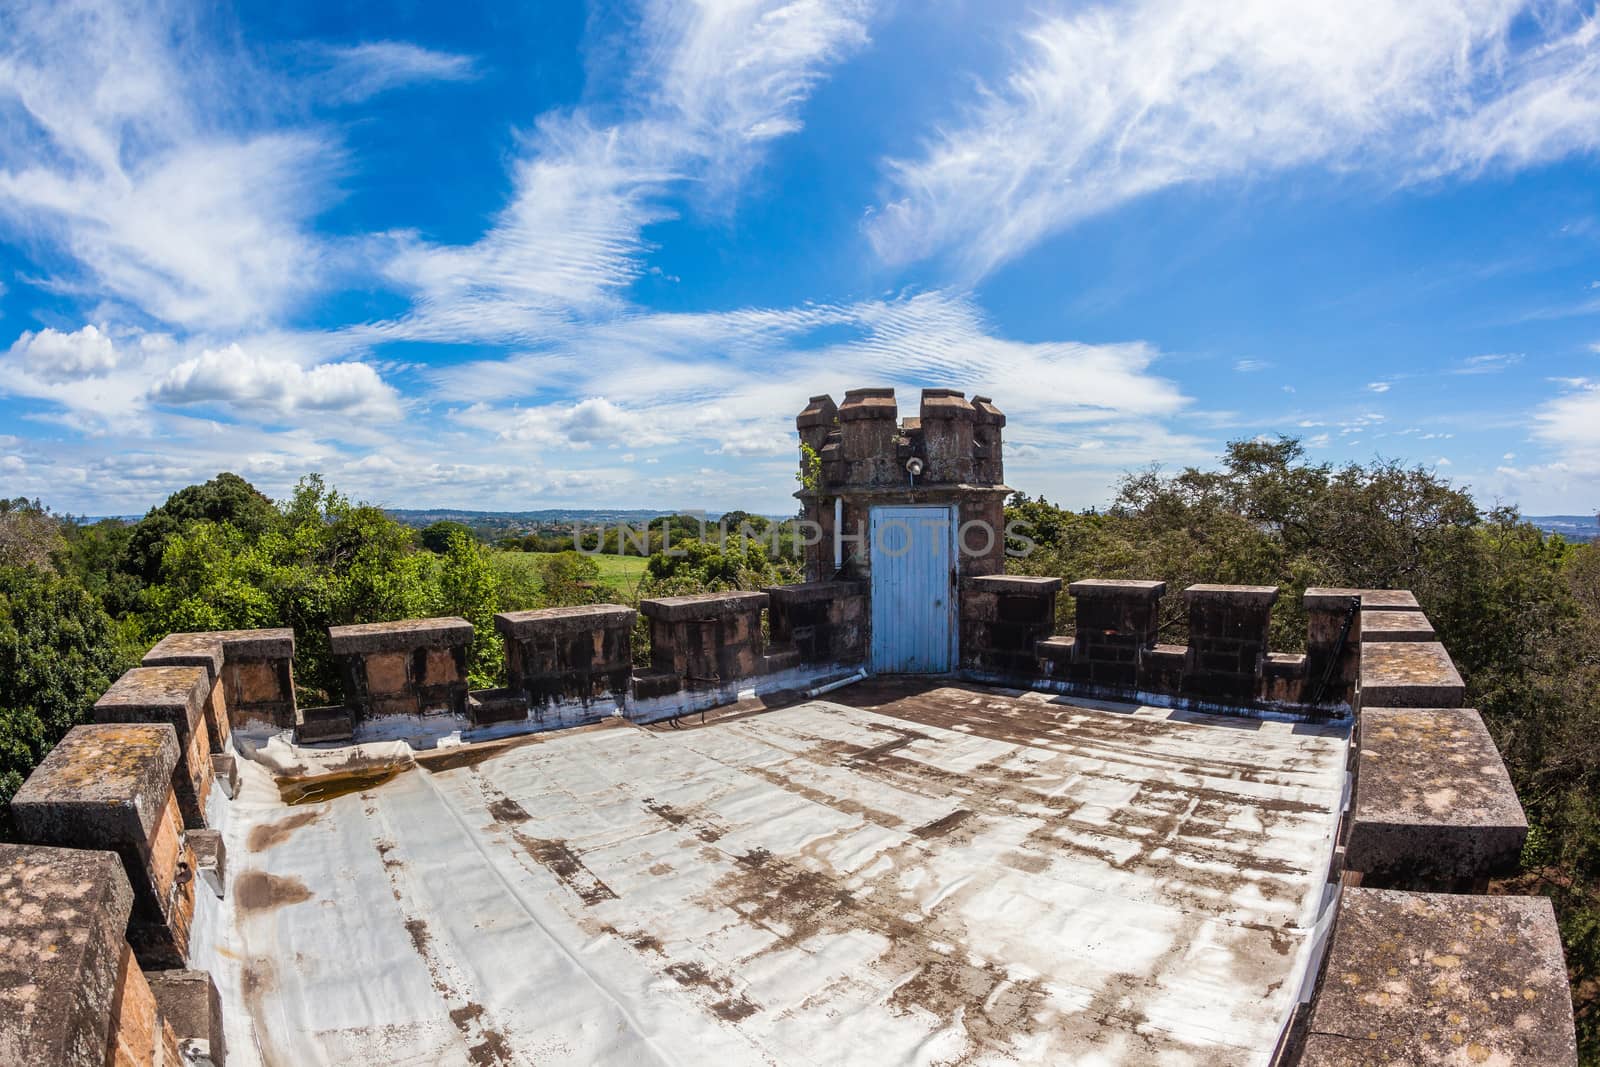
{"x":104,"y":909}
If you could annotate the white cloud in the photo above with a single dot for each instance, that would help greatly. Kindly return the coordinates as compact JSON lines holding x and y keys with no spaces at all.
{"x":1111,"y":103}
{"x":719,"y":82}
{"x":125,"y":150}
{"x":362,"y":71}
{"x":53,"y":356}
{"x":1250,"y":366}
{"x":242,"y":379}
{"x":1489,"y":363}
{"x":1572,"y":420}
{"x":1377,"y":387}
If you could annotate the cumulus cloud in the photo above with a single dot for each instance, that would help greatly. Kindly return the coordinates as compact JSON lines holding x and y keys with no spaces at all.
{"x":235,"y":377}
{"x":1572,"y":420}
{"x":1111,"y":103}
{"x":53,"y":356}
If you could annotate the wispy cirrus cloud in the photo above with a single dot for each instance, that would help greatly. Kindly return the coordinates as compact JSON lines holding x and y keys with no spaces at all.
{"x":1107,"y":104}
{"x":123,"y":148}
{"x":361,"y":71}
{"x":718,"y":82}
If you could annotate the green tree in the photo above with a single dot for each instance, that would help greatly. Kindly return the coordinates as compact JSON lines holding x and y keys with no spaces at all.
{"x":57,"y":655}
{"x":467,"y":587}
{"x":436,"y":538}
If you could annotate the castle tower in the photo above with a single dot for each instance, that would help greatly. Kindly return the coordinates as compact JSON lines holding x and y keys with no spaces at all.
{"x":914,"y":508}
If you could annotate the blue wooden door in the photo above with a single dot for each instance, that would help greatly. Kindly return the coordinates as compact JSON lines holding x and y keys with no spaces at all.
{"x":912,"y":578}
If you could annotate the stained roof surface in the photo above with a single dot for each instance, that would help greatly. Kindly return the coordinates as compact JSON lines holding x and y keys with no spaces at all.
{"x":898,"y":874}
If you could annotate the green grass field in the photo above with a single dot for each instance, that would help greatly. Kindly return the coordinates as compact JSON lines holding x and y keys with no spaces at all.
{"x":621,"y":573}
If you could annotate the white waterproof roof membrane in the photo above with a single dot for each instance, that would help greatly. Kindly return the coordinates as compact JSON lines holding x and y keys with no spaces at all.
{"x":939,"y":874}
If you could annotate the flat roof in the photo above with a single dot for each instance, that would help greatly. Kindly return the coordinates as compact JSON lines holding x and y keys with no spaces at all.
{"x":901,"y":873}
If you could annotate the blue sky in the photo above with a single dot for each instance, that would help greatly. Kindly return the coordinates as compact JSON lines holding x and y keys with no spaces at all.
{"x":524,"y":256}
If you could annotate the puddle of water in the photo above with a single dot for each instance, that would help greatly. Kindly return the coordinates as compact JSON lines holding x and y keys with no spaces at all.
{"x":322,"y":787}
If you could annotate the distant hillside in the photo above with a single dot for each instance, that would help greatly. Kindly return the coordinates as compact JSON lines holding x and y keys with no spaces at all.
{"x":1572,"y":527}
{"x":427,"y":516}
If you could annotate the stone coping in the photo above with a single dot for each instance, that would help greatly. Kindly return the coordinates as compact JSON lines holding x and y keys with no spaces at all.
{"x":1123,"y":587}
{"x":1385,"y":625}
{"x":1428,"y":979}
{"x":868,"y":404}
{"x":945,"y":404}
{"x":1409,"y":674}
{"x":932,"y":492}
{"x":1235,"y":594}
{"x":811,"y":592}
{"x":102,"y":785}
{"x":212,"y":648}
{"x":400,"y":635}
{"x":1433,"y":796}
{"x":986,"y":411}
{"x":581,"y":619}
{"x":1015,"y":583}
{"x":62,"y":916}
{"x":168,"y":694}
{"x":1327,"y":597}
{"x":702,"y":606}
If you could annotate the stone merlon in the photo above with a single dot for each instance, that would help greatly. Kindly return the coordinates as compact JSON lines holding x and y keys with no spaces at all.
{"x":102,"y":786}
{"x":211,"y":649}
{"x":1433,"y":800}
{"x":62,"y":917}
{"x":1409,"y":674}
{"x":175,"y":695}
{"x":1116,"y":587}
{"x":1427,"y":979}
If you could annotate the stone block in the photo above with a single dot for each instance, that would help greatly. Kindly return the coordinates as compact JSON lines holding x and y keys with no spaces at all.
{"x":63,"y":913}
{"x":1329,"y":597}
{"x":225,"y":771}
{"x":210,"y":859}
{"x":324,"y":724}
{"x":1285,"y":680}
{"x":650,"y":684}
{"x":487,"y":706}
{"x":110,"y":786}
{"x":1161,"y":668}
{"x":1434,"y":805}
{"x":177,"y":696}
{"x":780,"y":658}
{"x":1409,"y":674}
{"x":190,"y":1004}
{"x":1428,"y":979}
{"x":1381,"y":626}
